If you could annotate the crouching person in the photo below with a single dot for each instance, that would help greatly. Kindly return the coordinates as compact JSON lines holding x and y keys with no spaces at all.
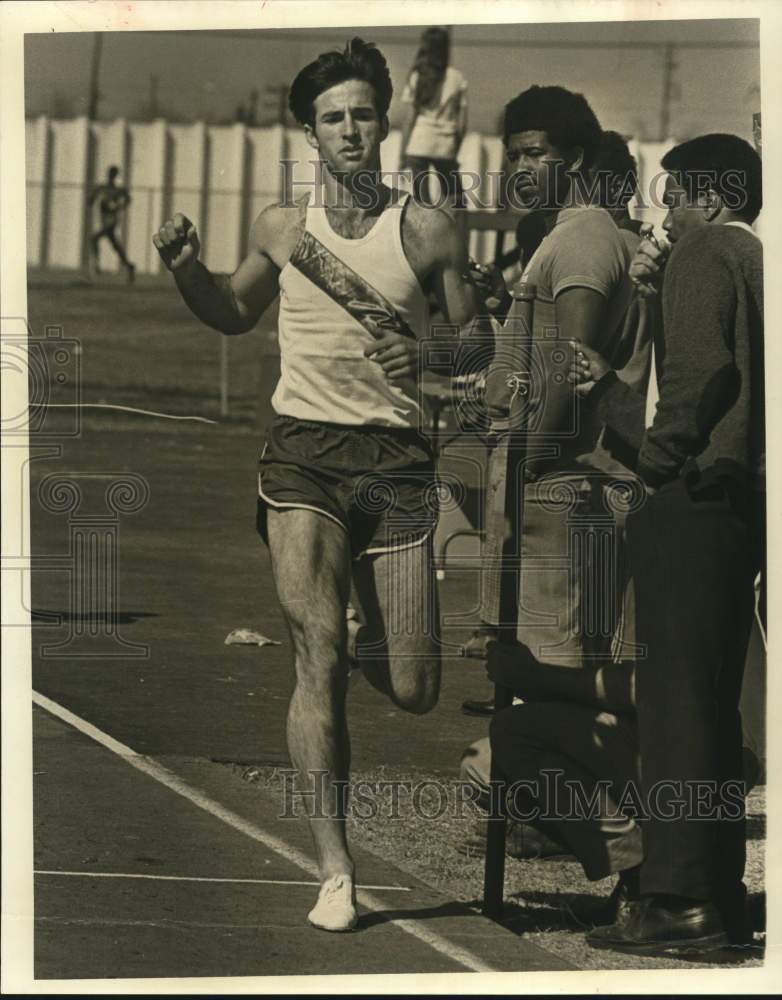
{"x":569,"y":754}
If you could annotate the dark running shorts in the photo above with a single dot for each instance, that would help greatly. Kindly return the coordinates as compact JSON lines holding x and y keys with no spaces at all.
{"x":378,"y":483}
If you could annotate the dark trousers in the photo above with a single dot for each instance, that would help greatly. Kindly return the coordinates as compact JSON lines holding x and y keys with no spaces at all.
{"x":694,"y":549}
{"x":574,"y":764}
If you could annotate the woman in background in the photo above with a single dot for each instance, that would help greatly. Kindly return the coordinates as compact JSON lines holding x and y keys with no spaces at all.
{"x":436,"y":119}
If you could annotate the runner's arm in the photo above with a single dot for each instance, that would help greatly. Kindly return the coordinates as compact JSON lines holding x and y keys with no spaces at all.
{"x":231,"y":304}
{"x":462,"y":306}
{"x":451,"y":280}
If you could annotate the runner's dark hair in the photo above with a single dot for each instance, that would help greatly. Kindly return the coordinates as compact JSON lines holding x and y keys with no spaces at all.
{"x":359,"y":60}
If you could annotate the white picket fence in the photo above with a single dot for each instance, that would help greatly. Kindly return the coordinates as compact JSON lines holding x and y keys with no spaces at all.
{"x":219,"y":175}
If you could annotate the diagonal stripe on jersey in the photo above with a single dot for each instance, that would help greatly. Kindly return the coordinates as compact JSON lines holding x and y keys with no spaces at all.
{"x":348,"y":289}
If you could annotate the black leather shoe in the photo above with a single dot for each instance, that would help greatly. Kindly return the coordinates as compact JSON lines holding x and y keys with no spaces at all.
{"x":651,"y":928}
{"x":478,"y":707}
{"x":616,"y":910}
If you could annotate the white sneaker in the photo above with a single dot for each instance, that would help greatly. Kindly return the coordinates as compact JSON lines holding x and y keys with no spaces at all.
{"x":335,"y":909}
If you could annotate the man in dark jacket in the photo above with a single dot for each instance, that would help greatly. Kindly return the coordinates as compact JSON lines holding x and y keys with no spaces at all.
{"x":696,"y":545}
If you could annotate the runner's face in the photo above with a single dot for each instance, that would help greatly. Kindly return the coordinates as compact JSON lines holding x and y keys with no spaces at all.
{"x":348,"y":129}
{"x":682,"y":214}
{"x":539,"y":179}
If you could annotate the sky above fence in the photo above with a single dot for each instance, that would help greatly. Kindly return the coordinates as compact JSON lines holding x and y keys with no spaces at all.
{"x":714,"y":71}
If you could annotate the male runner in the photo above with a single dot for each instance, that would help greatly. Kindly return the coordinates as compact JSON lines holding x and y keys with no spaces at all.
{"x":346,"y":479}
{"x":113,"y":201}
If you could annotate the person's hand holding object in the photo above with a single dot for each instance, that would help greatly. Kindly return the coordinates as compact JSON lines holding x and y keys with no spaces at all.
{"x":647,"y":265}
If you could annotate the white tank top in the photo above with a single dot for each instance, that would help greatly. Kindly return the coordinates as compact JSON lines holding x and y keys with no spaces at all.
{"x":324,"y":374}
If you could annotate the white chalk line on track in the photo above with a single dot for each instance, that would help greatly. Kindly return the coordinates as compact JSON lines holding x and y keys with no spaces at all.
{"x":129,"y":409}
{"x":153,"y":769}
{"x":204,"y":878}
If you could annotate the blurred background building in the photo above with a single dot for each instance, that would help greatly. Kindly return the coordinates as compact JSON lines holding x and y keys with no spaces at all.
{"x":198,"y":121}
{"x":646,"y":79}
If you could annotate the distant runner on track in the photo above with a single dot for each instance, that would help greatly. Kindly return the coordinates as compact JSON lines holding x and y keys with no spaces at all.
{"x":112,"y":200}
{"x":346,"y":484}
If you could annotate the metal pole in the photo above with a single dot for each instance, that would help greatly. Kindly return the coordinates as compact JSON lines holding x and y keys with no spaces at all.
{"x":94,"y":96}
{"x":519,"y":327}
{"x":224,"y":377}
{"x":92,"y":112}
{"x":148,"y":229}
{"x":669,"y":66}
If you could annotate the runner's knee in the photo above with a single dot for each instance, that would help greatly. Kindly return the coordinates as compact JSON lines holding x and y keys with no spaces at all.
{"x":418,"y":692}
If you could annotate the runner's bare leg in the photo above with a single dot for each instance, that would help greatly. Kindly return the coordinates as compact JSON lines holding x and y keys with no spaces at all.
{"x":119,"y":249}
{"x":398,"y":650}
{"x":94,"y":241}
{"x":311,"y":564}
